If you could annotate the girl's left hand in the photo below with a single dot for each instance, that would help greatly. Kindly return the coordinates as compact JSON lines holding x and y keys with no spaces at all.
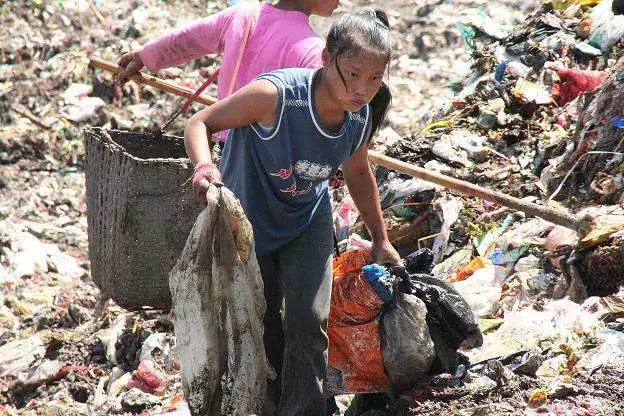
{"x":384,"y":253}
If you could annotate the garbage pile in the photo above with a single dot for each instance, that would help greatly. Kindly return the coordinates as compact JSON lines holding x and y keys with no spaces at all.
{"x":518,"y":108}
{"x":538,"y":117}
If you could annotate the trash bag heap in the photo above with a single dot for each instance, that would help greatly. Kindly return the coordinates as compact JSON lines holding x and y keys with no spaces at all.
{"x":390,"y":328}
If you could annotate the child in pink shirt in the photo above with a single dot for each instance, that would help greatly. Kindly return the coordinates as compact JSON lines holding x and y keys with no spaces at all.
{"x":280,"y":37}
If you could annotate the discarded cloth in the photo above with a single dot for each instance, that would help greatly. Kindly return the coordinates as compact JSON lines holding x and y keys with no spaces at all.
{"x":218,"y":306}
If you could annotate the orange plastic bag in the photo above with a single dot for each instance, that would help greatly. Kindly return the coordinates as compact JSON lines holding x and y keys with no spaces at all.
{"x":355,"y":358}
{"x":465,"y":272}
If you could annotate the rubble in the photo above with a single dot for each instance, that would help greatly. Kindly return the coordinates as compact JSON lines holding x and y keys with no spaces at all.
{"x":519,"y":97}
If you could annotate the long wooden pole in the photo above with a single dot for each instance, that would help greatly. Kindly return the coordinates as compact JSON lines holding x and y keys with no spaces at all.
{"x":555,"y":216}
{"x":157,"y":83}
{"x":549,"y":214}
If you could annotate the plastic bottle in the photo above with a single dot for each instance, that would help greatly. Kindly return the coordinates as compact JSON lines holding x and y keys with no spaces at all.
{"x":497,"y":257}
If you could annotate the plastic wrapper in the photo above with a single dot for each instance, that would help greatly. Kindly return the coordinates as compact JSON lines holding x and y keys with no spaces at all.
{"x":408,"y":351}
{"x":218,"y":306}
{"x":474,"y":265}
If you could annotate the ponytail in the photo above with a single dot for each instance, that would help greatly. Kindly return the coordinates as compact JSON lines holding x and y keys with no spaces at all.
{"x":382,"y":17}
{"x":379,"y":105}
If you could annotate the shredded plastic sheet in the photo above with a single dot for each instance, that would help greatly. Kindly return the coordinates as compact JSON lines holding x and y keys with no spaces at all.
{"x":218,"y":306}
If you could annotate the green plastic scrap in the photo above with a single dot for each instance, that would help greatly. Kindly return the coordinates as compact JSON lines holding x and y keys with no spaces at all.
{"x":467,"y":33}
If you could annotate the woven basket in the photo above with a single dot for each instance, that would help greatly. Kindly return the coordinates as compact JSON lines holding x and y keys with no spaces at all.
{"x":139,"y":213}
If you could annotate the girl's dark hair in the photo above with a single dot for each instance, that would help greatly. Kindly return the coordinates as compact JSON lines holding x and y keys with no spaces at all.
{"x":355,"y":32}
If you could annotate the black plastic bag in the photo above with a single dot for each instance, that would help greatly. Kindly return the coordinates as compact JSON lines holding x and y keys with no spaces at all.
{"x":452,"y":324}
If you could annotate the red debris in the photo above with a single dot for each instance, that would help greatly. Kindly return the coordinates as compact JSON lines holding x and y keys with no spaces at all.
{"x":575,"y":82}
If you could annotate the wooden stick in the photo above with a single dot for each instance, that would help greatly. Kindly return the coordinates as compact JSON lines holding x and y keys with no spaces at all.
{"x":549,"y":214}
{"x":23,"y":111}
{"x":97,"y":12}
{"x":157,"y":83}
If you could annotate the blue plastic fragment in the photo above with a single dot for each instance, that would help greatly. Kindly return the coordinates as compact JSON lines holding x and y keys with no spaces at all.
{"x":373,"y":272}
{"x":500,"y":71}
{"x":380,"y":280}
{"x":619,"y":123}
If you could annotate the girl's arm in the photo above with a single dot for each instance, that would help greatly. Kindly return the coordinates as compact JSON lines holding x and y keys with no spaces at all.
{"x":178,"y":46}
{"x":254,"y":103}
{"x":363,"y":189}
{"x":181,"y":45}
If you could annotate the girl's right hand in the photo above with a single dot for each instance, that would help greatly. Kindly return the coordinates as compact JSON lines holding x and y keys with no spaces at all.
{"x":205,"y":175}
{"x":130,"y":63}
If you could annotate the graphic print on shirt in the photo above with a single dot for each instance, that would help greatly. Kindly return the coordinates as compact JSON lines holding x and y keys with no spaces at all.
{"x":306,"y":170}
{"x":296,"y":103}
{"x":283,"y":173}
{"x":358,"y":118}
{"x":312,"y":171}
{"x":294,"y":192}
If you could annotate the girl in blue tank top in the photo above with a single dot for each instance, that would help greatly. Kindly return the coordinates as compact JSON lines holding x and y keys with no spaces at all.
{"x":290,"y":130}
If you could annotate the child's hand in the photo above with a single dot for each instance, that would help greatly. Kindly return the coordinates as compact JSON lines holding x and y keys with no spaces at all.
{"x":205,"y":175}
{"x":130,"y":63}
{"x":384,"y":253}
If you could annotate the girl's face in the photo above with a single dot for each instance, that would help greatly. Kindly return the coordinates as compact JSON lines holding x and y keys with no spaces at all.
{"x":363,"y":74}
{"x":324,"y":8}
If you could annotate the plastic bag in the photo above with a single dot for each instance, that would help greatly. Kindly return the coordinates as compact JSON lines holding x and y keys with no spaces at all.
{"x":218,"y":306}
{"x":608,"y":34}
{"x":482,"y":290}
{"x":451,"y":322}
{"x":355,"y":359}
{"x":408,"y":351}
{"x":420,"y":261}
{"x":607,"y":28}
{"x":380,"y":280}
{"x":609,"y":353}
{"x":345,"y":216}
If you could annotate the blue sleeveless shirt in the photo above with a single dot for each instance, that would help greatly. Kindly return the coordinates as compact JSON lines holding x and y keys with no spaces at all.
{"x":280,"y":174}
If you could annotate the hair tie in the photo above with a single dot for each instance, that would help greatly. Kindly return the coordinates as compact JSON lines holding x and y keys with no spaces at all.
{"x":376,"y":18}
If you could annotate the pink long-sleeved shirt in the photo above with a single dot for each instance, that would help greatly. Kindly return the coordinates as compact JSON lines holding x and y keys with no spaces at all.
{"x":278,"y":39}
